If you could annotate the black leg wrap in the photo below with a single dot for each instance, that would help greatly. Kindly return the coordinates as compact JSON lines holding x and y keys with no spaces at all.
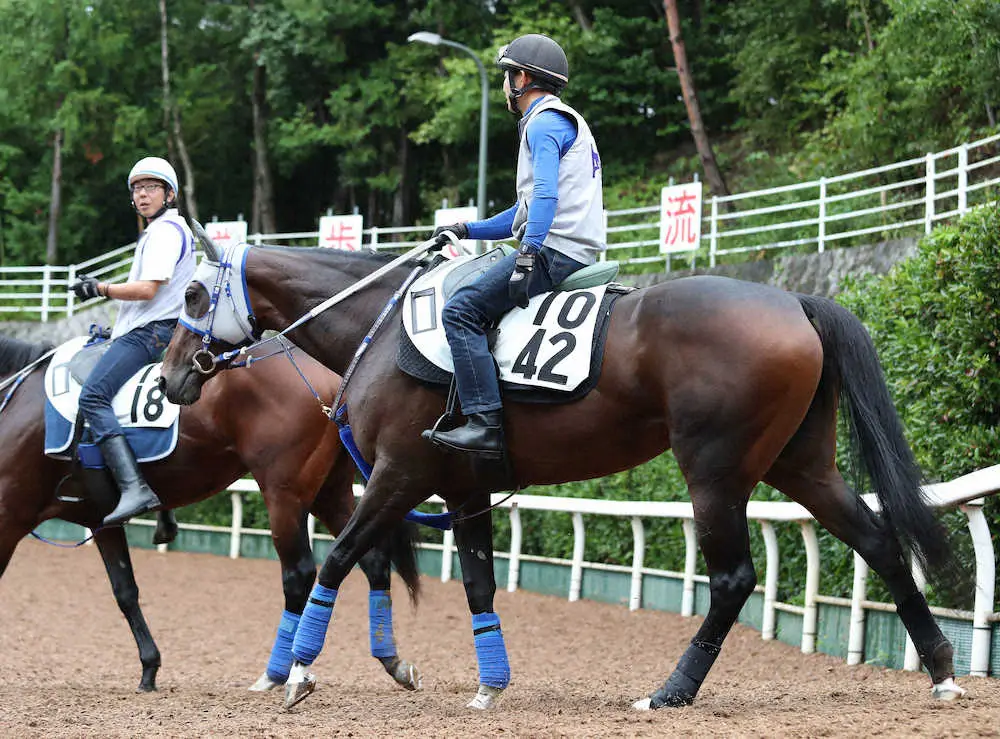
{"x":683,"y":684}
{"x":935,"y":650}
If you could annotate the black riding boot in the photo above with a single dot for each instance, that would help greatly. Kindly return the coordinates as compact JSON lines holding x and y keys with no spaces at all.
{"x":482,"y":435}
{"x":136,"y":496}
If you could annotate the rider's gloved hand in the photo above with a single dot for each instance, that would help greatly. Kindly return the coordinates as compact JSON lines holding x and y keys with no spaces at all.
{"x":86,"y":288}
{"x":459,"y":229}
{"x":524,"y":266}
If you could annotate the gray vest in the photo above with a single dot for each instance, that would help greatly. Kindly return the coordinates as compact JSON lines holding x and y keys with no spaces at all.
{"x":578,"y":229}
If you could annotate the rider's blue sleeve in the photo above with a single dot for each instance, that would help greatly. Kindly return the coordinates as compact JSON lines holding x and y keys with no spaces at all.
{"x":549,"y":137}
{"x":496,"y":228}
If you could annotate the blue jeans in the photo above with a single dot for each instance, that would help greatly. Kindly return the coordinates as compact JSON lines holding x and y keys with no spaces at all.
{"x":126,"y":356}
{"x":474,"y":307}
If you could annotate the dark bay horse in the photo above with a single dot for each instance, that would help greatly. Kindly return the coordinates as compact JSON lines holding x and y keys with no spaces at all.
{"x":743,"y":381}
{"x":261,"y":421}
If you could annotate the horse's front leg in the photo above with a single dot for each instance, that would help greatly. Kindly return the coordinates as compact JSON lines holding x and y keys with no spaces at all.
{"x":113,"y":546}
{"x":290,"y":535}
{"x":474,"y":540}
{"x":378,"y":511}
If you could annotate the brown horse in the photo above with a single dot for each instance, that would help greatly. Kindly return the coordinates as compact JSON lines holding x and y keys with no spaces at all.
{"x":741,"y":380}
{"x":261,"y":421}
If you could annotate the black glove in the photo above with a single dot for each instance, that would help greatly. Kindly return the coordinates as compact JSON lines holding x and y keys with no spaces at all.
{"x":86,"y":288}
{"x":524,"y":265}
{"x":459,"y":229}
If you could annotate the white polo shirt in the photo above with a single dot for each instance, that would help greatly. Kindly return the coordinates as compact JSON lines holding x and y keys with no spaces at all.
{"x":165,"y":252}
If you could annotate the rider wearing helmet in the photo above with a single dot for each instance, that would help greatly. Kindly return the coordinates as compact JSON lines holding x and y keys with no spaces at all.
{"x":558,"y":218}
{"x":152,"y":299}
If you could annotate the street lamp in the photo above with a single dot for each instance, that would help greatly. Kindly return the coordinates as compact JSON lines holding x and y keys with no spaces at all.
{"x":435,"y":39}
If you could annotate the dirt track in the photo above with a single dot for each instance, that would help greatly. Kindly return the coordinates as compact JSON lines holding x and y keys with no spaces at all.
{"x":68,"y":665}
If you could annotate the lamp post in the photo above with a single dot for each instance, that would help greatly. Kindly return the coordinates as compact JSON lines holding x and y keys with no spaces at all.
{"x":435,"y":39}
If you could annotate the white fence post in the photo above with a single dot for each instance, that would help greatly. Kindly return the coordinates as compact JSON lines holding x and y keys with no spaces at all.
{"x":514,"y":563}
{"x":237,"y":530}
{"x":929,"y":198}
{"x":46,"y":289}
{"x":311,"y":532}
{"x":576,"y":569}
{"x":768,"y":621}
{"x":821,"y":234}
{"x":70,"y":295}
{"x":690,"y":560}
{"x":373,"y":236}
{"x":638,"y":558}
{"x":447,"y":545}
{"x":979,"y":662}
{"x":713,"y":240}
{"x":856,"y":632}
{"x":810,"y":617}
{"x":911,"y":659}
{"x":963,"y":178}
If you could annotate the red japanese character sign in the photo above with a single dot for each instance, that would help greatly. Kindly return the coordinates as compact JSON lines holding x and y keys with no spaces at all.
{"x":680,"y":218}
{"x":227,"y":233}
{"x":341,"y":232}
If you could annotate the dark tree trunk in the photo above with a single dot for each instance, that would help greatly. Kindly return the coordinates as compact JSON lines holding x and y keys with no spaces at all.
{"x":172,"y":122}
{"x":55,"y":200}
{"x":400,"y":213}
{"x":263,"y":220}
{"x":712,"y":173}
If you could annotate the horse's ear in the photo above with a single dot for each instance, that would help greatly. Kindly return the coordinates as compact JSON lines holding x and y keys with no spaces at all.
{"x":212,"y":251}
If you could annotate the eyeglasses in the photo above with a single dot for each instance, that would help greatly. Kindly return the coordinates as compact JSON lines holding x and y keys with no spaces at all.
{"x":148,"y":187}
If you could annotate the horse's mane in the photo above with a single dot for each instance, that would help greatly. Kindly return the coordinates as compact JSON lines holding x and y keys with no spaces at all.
{"x":15,"y":354}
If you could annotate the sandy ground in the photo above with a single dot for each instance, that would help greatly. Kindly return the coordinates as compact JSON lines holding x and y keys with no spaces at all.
{"x":68,"y":665}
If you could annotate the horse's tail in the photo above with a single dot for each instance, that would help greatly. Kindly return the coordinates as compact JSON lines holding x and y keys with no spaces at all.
{"x":878,"y":446}
{"x":403,"y":554}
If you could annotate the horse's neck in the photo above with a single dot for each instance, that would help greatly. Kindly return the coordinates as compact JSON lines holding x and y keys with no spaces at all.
{"x":291,"y":287}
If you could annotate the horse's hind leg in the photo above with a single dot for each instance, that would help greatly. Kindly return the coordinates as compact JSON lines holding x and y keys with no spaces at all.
{"x":724,"y":539}
{"x":375,"y":565}
{"x":805,"y":472}
{"x":166,"y":527}
{"x":298,"y":572}
{"x":113,"y":546}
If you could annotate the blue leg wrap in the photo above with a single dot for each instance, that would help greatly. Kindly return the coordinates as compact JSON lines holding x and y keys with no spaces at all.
{"x":280,"y":662}
{"x":380,"y":624}
{"x":311,"y":634}
{"x":491,"y":652}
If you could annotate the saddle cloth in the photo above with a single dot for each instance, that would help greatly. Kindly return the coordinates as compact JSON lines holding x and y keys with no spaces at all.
{"x":550,"y":351}
{"x":148,"y":420}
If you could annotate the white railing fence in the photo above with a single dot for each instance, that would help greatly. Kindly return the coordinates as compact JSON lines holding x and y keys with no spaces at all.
{"x":901,"y":199}
{"x":967,"y":493}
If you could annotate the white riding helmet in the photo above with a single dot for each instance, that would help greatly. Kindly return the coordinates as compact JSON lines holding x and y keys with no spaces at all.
{"x":156,"y":168}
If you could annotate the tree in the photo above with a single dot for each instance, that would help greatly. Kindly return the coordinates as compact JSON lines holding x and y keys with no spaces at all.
{"x":712,"y":172}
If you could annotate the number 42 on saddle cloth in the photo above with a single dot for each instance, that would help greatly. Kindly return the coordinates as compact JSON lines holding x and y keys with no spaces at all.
{"x":549,"y":352}
{"x":147,"y":418}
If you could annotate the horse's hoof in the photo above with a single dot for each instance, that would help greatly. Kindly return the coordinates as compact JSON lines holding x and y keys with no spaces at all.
{"x":263,"y":684}
{"x":146,"y":688}
{"x":301,"y":683}
{"x":947,"y":690}
{"x":643,"y":705}
{"x":486,"y":698}
{"x":407,"y":675}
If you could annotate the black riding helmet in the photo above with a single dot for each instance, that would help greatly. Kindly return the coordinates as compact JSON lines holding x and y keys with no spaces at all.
{"x":539,"y":56}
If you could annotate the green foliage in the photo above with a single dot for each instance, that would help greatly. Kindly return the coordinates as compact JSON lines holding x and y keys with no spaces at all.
{"x":936,"y":322}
